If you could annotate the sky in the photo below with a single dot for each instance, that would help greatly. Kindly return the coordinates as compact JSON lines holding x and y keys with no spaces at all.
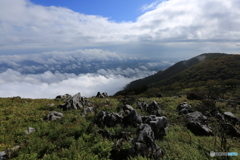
{"x":115,"y":10}
{"x":64,"y":29}
{"x":177,"y":28}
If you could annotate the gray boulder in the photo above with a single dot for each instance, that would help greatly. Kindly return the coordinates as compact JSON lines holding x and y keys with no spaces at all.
{"x":217,"y":114}
{"x":105,"y":94}
{"x":184,"y":108}
{"x":196,"y":117}
{"x":159,"y":125}
{"x":76,"y":102}
{"x":142,"y":105}
{"x":99,"y":95}
{"x":63,"y":97}
{"x":145,"y":143}
{"x":87,"y":110}
{"x":127,"y":109}
{"x":108,"y":119}
{"x":152,"y":108}
{"x":145,"y":134}
{"x":29,"y":130}
{"x":132,"y":118}
{"x":231,"y":117}
{"x":195,"y":122}
{"x":53,"y":115}
{"x":7,"y":154}
{"x":3,"y":155}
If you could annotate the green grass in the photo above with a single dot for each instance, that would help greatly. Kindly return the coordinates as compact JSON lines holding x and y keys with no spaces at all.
{"x":67,"y":138}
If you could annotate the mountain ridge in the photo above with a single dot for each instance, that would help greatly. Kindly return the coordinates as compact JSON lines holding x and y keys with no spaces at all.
{"x":186,"y":71}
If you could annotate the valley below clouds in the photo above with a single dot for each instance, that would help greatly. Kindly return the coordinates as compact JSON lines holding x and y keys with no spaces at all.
{"x":49,"y":74}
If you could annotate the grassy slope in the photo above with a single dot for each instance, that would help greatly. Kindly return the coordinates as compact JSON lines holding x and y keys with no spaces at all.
{"x":173,"y":70}
{"x":67,"y":138}
{"x":219,"y":68}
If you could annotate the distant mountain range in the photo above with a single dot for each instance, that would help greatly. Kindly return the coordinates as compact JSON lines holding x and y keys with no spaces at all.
{"x":195,"y":71}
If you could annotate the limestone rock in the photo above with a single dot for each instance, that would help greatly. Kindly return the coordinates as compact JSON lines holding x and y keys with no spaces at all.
{"x":184,"y":108}
{"x":152,"y":108}
{"x":76,"y":102}
{"x":29,"y":130}
{"x":159,"y":125}
{"x":195,"y":122}
{"x":63,"y":97}
{"x":53,"y":115}
{"x":145,"y":143}
{"x":102,"y":95}
{"x":132,"y":118}
{"x":108,"y":119}
{"x":87,"y":110}
{"x":231,"y":117}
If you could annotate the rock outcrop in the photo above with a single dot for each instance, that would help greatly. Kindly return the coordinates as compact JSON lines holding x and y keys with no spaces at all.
{"x":29,"y":130}
{"x":102,"y":95}
{"x":184,"y":108}
{"x":132,"y":118}
{"x":53,"y":115}
{"x":231,"y":117}
{"x":76,"y":102}
{"x":159,"y":125}
{"x":65,"y":97}
{"x":87,"y":110}
{"x":195,"y":122}
{"x":152,"y":108}
{"x":107,"y":119}
{"x":145,"y":143}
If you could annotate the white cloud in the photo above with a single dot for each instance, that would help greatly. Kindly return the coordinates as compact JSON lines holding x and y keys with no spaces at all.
{"x":151,"y":6}
{"x":157,"y":64}
{"x":55,"y":57}
{"x":61,"y":61}
{"x":49,"y":85}
{"x":165,"y":28}
{"x":27,"y":25}
{"x":184,"y":23}
{"x":79,"y":61}
{"x":179,"y":20}
{"x":128,"y":72}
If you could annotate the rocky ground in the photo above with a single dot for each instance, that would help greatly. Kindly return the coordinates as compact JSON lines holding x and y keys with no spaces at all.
{"x":102,"y":127}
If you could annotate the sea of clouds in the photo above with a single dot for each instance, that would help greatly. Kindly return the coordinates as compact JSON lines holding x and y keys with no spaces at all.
{"x":49,"y":74}
{"x":73,"y":52}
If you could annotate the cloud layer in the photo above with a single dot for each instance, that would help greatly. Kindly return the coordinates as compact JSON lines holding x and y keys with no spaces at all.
{"x":87,"y":71}
{"x":171,"y":25}
{"x":49,"y":85}
{"x":78,"y":62}
{"x":46,"y":51}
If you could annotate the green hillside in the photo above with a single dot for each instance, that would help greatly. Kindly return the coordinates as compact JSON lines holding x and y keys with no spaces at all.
{"x":195,"y":72}
{"x":218,"y":68}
